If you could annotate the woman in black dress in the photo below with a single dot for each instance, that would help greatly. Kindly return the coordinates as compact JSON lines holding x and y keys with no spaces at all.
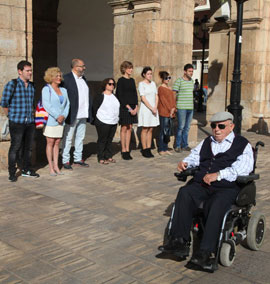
{"x":127,"y":95}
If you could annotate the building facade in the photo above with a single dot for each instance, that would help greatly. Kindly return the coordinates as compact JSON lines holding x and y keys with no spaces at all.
{"x":158,"y":33}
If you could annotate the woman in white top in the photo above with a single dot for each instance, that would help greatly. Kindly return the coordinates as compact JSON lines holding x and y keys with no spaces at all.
{"x":106,"y":116}
{"x":148,"y":113}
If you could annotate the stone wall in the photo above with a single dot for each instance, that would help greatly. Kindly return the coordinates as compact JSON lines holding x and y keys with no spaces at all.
{"x":156,"y":33}
{"x":255,"y":64}
{"x":13,"y":39}
{"x":15,"y":45}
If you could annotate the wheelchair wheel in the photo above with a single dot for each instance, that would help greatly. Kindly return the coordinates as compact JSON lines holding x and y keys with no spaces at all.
{"x":227,"y":253}
{"x":256,"y":230}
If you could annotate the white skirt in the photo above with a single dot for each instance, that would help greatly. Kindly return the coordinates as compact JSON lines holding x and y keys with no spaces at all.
{"x":53,"y":131}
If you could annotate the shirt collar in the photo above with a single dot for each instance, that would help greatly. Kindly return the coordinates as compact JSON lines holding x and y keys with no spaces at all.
{"x":229,"y":138}
{"x":76,"y":76}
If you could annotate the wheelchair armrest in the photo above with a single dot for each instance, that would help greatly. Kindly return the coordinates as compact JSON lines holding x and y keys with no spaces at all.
{"x":188,"y":172}
{"x":246,"y":179}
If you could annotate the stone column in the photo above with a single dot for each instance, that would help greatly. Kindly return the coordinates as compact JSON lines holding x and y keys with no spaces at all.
{"x":153,"y":32}
{"x":255,"y":64}
{"x":15,"y":45}
{"x":156,"y":33}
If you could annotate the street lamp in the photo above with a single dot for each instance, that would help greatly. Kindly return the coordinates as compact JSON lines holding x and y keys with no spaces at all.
{"x":235,"y":108}
{"x":201,"y":24}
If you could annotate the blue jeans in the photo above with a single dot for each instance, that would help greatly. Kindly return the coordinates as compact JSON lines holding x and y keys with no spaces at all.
{"x":184,"y":117}
{"x":78,"y":129}
{"x":164,"y":121}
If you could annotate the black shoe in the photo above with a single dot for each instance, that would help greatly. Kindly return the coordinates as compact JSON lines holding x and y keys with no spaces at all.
{"x":125,"y":155}
{"x":150,"y":153}
{"x":178,"y":149}
{"x":145,"y":153}
{"x":67,"y":166}
{"x":29,"y":173}
{"x":12,"y":178}
{"x":201,"y":258}
{"x":186,"y":149}
{"x":81,"y":164}
{"x":130,"y":158}
{"x":176,"y":246}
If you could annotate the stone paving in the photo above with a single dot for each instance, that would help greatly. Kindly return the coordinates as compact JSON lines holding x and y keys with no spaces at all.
{"x":104,"y":224}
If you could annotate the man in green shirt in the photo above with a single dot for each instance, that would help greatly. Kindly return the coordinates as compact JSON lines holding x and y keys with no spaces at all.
{"x":183,"y":88}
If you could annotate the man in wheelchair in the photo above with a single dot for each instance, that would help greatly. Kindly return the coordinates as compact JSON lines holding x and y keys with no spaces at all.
{"x":221,"y":158}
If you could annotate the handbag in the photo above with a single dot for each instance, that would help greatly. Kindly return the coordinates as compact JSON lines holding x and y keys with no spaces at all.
{"x":168,"y":131}
{"x":5,"y":133}
{"x":41,"y":115}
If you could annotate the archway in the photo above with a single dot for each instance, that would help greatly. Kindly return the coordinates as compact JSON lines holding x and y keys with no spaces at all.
{"x":63,"y":29}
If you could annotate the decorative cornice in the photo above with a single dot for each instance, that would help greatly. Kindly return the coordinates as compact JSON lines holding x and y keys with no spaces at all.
{"x":230,"y":25}
{"x":248,"y":24}
{"x":125,"y":7}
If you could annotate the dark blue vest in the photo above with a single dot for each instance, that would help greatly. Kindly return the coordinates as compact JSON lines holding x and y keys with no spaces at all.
{"x":212,"y":164}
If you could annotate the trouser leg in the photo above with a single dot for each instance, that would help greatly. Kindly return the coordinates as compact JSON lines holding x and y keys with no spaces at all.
{"x":16,"y":135}
{"x":108,"y":147}
{"x":103,"y":132}
{"x":188,"y":200}
{"x":214,"y":211}
{"x":67,"y":142}
{"x":29,"y":135}
{"x":79,"y":137}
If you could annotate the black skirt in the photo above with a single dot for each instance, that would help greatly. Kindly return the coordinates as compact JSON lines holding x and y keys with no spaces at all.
{"x":126,"y":117}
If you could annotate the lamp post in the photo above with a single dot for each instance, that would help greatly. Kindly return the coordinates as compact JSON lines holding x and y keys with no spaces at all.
{"x":197,"y":25}
{"x":235,"y":108}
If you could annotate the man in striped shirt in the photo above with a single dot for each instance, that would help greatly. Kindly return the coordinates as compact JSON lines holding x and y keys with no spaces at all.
{"x":221,"y":158}
{"x":183,"y":88}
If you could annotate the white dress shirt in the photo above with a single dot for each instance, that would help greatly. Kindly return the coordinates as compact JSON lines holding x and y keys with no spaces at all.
{"x":83,"y":92}
{"x":241,"y":167}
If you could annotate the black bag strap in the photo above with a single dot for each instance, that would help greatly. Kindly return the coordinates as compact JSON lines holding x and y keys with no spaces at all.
{"x":14,"y":90}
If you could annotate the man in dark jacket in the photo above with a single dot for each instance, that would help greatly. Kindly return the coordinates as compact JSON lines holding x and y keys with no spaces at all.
{"x":80,"y":112}
{"x":221,"y":158}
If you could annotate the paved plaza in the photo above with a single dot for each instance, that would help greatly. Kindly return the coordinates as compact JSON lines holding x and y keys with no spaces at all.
{"x":103,"y":224}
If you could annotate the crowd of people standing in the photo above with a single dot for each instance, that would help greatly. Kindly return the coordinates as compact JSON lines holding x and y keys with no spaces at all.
{"x":69,"y":105}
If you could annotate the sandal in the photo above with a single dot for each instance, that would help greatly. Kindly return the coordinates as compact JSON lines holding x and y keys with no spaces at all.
{"x":111,"y":160}
{"x":103,"y":162}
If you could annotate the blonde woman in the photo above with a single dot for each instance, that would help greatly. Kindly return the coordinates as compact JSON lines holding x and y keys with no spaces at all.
{"x":56,"y":103}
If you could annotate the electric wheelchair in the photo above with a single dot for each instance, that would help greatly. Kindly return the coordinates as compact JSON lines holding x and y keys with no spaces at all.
{"x":239,"y":224}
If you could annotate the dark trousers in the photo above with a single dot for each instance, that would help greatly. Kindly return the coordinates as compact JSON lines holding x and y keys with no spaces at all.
{"x":164,"y":123}
{"x":105,"y":136}
{"x":216,"y":202}
{"x":22,"y":135}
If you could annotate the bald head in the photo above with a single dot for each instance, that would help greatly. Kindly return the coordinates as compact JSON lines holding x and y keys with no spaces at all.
{"x":78,"y":67}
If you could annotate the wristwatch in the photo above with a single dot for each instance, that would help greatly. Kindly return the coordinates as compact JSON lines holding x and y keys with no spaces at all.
{"x":218,"y":177}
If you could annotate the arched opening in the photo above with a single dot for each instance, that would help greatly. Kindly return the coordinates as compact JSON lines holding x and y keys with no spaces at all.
{"x":64,"y":29}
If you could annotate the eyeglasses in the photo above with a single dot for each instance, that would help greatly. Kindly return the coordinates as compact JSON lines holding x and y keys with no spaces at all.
{"x":220,"y":125}
{"x":81,"y":66}
{"x":168,"y":78}
{"x":111,"y":84}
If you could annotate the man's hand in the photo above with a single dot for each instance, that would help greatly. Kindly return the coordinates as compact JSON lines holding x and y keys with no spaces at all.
{"x":5,"y":110}
{"x":208,"y":178}
{"x":182,"y":166}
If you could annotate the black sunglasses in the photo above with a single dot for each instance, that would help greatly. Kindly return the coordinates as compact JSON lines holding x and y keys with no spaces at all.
{"x":168,"y":78}
{"x":111,"y":84}
{"x":220,"y":125}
